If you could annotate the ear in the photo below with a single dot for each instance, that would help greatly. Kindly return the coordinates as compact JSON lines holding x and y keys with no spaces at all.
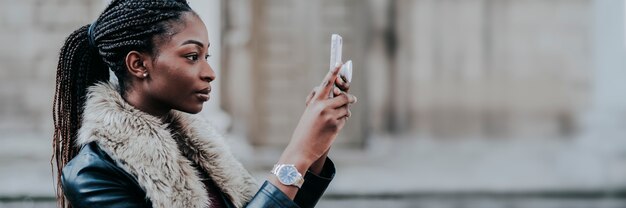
{"x":136,"y":64}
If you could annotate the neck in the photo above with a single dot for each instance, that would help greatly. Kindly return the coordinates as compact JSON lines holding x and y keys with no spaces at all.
{"x":146,"y":104}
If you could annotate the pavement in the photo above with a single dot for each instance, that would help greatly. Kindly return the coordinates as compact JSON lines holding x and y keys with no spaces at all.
{"x":398,"y":172}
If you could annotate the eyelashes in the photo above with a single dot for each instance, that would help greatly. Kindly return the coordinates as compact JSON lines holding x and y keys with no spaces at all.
{"x":194,"y":57}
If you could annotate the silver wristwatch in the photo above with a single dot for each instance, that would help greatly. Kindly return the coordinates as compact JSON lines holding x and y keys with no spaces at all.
{"x":288,"y":175}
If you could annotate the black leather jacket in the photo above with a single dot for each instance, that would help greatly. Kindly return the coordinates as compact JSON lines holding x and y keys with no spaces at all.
{"x":92,"y":179}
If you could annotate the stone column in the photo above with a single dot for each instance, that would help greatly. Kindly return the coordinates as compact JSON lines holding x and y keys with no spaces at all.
{"x":237,"y":64}
{"x":378,"y":97}
{"x":604,"y":126}
{"x":601,"y":145}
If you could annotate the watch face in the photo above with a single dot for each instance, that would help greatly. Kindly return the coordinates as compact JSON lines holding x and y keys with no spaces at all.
{"x":288,"y":175}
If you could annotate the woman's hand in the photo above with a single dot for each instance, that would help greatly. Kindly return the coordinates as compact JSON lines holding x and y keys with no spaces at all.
{"x":317,"y":129}
{"x":320,"y":123}
{"x":342,"y":85}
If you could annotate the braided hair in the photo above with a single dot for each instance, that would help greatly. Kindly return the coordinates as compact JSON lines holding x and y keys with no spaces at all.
{"x":91,"y":51}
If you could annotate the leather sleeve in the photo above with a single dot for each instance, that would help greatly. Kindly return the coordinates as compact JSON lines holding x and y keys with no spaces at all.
{"x":269,"y":196}
{"x":315,"y":185}
{"x":88,"y":181}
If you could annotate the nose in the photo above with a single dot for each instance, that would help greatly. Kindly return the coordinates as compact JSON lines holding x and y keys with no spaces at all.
{"x":207,"y":74}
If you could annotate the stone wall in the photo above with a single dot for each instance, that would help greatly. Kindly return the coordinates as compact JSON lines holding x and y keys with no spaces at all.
{"x":32,"y":34}
{"x":441,"y":69}
{"x":466,"y":70}
{"x":276,"y":52}
{"x":31,"y":37}
{"x":489,"y":69}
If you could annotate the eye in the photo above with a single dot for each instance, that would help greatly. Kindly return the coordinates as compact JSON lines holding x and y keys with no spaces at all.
{"x":192,"y":57}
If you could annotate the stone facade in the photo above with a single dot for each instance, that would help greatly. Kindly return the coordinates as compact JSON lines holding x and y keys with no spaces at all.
{"x":439,"y":69}
{"x":276,"y":52}
{"x":505,"y":92}
{"x":490,"y":69}
{"x":473,"y":96}
{"x":31,"y":37}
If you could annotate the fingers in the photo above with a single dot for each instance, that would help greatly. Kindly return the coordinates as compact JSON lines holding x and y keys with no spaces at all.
{"x":336,"y":92}
{"x":328,"y":83}
{"x":310,"y":96}
{"x":342,"y":84}
{"x":341,"y":100}
{"x":307,"y":101}
{"x":342,"y":113}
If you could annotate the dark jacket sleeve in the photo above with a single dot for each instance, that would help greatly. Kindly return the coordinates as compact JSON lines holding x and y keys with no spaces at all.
{"x":269,"y":196}
{"x":90,"y":181}
{"x":315,"y":185}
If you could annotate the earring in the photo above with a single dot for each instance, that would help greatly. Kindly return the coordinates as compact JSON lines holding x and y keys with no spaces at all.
{"x":145,"y":74}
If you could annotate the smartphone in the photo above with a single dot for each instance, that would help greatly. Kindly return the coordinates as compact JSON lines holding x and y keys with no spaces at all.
{"x":336,"y":45}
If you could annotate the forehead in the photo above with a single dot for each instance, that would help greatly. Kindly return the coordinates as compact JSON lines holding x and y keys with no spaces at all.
{"x":190,"y":27}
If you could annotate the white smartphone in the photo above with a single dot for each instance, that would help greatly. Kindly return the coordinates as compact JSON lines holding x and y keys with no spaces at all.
{"x":336,"y":45}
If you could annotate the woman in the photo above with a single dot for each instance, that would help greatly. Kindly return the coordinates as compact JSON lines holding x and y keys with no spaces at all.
{"x":135,"y":142}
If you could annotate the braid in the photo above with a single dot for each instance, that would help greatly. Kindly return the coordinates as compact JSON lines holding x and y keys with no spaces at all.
{"x":124,"y":26}
{"x":72,"y":80}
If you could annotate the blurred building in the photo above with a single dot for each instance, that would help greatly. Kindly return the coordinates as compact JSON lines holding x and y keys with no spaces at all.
{"x":475,"y":96}
{"x":434,"y":69}
{"x":462,"y":103}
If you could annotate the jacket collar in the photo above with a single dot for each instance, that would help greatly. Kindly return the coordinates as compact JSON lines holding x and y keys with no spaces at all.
{"x":144,"y":146}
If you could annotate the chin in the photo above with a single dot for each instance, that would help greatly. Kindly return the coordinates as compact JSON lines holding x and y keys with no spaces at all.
{"x":192,"y":110}
{"x":195,"y":111}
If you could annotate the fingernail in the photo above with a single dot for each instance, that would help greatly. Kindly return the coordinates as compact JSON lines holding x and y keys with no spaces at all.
{"x":354,"y":98}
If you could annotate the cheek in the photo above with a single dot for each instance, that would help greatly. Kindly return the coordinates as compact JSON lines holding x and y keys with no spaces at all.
{"x":168,"y":73}
{"x":176,"y":82}
{"x":175,"y":87}
{"x":164,"y":81}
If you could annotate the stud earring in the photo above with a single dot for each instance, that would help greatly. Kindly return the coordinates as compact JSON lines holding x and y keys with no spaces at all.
{"x":145,"y":74}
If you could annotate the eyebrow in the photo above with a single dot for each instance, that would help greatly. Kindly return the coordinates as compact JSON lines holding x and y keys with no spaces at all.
{"x":195,"y":42}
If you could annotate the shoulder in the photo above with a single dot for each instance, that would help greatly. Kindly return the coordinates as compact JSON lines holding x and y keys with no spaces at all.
{"x":92,"y":177}
{"x":89,"y":161}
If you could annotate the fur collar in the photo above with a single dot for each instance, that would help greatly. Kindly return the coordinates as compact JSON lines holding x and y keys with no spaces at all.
{"x":144,"y":146}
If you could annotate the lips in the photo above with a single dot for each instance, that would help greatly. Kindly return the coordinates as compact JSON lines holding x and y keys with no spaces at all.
{"x":205,"y":90}
{"x":203,"y":94}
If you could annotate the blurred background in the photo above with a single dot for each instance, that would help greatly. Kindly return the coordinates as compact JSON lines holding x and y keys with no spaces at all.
{"x":462,"y":103}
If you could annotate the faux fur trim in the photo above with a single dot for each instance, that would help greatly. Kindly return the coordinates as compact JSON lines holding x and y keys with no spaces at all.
{"x":144,"y":146}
